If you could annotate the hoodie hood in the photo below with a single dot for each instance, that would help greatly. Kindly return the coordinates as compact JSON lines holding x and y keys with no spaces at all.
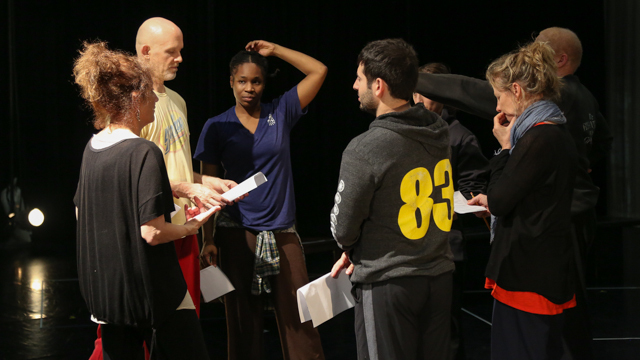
{"x":416,"y":123}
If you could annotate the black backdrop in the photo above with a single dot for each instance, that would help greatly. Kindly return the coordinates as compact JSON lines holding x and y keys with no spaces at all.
{"x":54,"y":125}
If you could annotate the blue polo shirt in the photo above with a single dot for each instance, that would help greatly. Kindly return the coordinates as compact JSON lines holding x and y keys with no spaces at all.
{"x":225,"y":140}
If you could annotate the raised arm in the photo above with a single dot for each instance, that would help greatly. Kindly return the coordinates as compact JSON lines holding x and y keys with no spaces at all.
{"x":470,"y":95}
{"x":314,"y":70}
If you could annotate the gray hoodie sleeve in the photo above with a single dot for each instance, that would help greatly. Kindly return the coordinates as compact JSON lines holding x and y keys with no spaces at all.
{"x":353,"y":198}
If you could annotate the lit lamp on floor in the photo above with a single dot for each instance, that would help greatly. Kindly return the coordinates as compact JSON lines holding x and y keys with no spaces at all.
{"x":20,"y":219}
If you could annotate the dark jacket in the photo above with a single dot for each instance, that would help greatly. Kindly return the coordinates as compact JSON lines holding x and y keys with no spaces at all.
{"x":530,"y":192}
{"x":585,"y":123}
{"x":470,"y":173}
{"x":393,"y":207}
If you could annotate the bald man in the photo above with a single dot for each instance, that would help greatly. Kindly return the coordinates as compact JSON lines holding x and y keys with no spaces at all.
{"x":592,"y":138}
{"x":158,"y":44}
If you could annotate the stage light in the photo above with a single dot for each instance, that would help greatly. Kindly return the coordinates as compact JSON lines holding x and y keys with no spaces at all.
{"x":20,"y":220}
{"x":36,"y":284}
{"x":36,"y":217}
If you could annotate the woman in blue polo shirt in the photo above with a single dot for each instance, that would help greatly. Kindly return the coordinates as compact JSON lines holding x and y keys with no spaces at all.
{"x":258,"y":246}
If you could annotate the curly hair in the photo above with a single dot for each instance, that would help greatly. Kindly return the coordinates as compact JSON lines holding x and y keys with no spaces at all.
{"x":532,"y":67}
{"x":109,"y":81}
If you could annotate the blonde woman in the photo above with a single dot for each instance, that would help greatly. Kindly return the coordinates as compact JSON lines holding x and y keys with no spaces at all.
{"x":530,"y":190}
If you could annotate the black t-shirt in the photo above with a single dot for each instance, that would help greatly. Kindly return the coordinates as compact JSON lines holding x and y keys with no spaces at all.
{"x":123,"y":279}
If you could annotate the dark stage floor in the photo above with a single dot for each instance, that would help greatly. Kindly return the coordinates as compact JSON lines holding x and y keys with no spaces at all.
{"x":43,"y":316}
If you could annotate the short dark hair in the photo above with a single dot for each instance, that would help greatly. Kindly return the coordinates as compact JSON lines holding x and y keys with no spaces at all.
{"x":253,"y":57}
{"x":394,"y":61}
{"x":434,"y":68}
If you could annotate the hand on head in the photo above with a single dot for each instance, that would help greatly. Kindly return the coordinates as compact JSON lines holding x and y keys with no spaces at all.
{"x":265,"y":48}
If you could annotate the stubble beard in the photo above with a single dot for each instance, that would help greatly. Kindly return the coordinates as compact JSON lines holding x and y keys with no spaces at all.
{"x":367,"y":102}
{"x":169,"y":75}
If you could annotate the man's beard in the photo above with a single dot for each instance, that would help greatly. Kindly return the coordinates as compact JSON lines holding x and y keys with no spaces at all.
{"x":368,"y":103}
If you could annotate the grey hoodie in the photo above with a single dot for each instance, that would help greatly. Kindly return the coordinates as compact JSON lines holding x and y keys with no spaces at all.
{"x":397,"y":166}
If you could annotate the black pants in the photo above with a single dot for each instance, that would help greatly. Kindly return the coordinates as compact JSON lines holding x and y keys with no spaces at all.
{"x":519,"y":335}
{"x":457,"y":342}
{"x":404,"y":318}
{"x":577,"y":329}
{"x":179,"y":337}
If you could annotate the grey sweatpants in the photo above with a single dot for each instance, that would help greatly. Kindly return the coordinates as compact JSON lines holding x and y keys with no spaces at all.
{"x":404,"y":318}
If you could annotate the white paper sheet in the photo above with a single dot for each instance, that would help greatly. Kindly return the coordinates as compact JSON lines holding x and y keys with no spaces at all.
{"x":214,"y":283}
{"x":176,"y":208}
{"x":245,"y":186}
{"x":324,"y":298}
{"x":460,"y":205}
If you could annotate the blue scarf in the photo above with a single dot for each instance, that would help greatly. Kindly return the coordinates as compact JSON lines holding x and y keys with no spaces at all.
{"x":539,"y":111}
{"x":543,"y":110}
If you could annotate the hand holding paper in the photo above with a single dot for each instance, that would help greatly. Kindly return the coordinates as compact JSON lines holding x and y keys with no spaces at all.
{"x":324,"y":298}
{"x":342,"y":263}
{"x":460,"y":205}
{"x":214,"y":283}
{"x":245,"y":186}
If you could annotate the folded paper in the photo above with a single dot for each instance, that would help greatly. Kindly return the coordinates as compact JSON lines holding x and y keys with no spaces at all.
{"x":214,"y":283}
{"x":324,"y":298}
{"x":245,"y":186}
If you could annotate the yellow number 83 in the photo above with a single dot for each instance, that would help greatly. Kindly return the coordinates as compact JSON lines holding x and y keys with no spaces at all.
{"x":415,"y":191}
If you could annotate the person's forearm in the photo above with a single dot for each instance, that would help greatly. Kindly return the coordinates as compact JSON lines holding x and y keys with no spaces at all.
{"x":468,"y":94}
{"x":208,"y":171}
{"x":314,"y":70}
{"x":305,"y":63}
{"x":158,"y":231}
{"x":180,"y":188}
{"x":197,"y":178}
